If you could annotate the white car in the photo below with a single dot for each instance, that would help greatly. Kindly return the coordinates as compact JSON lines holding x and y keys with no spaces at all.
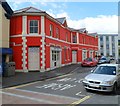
{"x":106,"y":77}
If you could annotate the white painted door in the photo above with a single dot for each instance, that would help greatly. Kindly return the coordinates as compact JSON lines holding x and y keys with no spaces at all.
{"x":34,"y":58}
{"x":55,"y":59}
{"x":74,"y":57}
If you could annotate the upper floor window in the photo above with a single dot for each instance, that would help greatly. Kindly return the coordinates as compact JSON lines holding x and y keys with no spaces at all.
{"x":107,"y":38}
{"x":67,"y":37}
{"x":33,"y":26}
{"x":83,"y":38}
{"x":101,"y":38}
{"x":57,"y":32}
{"x":74,"y":39}
{"x":51,"y":30}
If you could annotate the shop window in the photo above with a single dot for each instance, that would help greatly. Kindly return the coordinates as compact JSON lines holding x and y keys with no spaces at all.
{"x":33,"y":26}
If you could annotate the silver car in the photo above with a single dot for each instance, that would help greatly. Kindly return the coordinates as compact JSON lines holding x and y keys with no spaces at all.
{"x":106,"y":77}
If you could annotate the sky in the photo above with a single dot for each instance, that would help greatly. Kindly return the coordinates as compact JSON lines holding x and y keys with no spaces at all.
{"x":100,"y":17}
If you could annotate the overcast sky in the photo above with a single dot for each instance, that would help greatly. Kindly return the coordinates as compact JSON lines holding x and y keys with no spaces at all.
{"x":100,"y":17}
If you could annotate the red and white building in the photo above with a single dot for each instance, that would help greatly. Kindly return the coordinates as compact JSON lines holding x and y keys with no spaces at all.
{"x":41,"y":42}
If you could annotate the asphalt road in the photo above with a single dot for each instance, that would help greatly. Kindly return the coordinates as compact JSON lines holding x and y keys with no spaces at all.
{"x":66,"y":89}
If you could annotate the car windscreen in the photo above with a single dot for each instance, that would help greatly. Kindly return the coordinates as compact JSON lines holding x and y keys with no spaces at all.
{"x":109,"y":70}
{"x":103,"y":59}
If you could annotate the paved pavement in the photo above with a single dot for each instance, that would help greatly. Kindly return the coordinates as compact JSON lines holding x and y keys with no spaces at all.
{"x":23,"y":78}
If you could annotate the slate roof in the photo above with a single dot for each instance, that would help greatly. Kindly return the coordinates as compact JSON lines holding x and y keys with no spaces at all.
{"x":82,"y":30}
{"x":93,"y":34}
{"x":61,"y":20}
{"x":28,"y":10}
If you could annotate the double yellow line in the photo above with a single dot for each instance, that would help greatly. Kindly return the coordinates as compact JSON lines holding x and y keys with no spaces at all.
{"x":79,"y":101}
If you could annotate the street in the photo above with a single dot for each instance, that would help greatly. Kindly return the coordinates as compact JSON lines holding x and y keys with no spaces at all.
{"x":66,"y":89}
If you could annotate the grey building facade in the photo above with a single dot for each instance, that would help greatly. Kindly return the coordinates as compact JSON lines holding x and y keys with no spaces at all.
{"x":108,"y":45}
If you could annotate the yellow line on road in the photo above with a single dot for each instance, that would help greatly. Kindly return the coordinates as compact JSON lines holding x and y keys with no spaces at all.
{"x":80,"y":101}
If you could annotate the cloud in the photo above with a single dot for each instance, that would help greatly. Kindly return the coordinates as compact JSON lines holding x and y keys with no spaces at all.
{"x":99,"y":24}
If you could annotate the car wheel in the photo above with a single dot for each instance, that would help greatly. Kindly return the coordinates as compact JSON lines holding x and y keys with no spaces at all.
{"x":115,"y":88}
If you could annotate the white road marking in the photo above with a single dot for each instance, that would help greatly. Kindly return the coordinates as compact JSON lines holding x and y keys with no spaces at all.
{"x":79,"y":94}
{"x":56,"y":86}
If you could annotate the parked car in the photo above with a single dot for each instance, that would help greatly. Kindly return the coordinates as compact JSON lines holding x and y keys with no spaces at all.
{"x":89,"y":62}
{"x":118,"y":61}
{"x":103,"y":60}
{"x":105,"y":77}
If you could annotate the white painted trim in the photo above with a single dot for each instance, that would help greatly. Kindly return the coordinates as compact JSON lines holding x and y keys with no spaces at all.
{"x":24,"y":25}
{"x":42,"y":25}
{"x":52,"y":39}
{"x":43,"y":43}
{"x":24,"y":40}
{"x":57,"y":39}
{"x":27,"y":35}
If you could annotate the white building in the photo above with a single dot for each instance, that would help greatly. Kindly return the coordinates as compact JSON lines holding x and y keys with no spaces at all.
{"x":108,"y":45}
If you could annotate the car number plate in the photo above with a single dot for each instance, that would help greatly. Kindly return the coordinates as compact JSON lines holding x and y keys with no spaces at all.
{"x":94,"y":85}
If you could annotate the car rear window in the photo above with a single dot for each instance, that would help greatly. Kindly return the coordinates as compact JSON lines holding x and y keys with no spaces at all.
{"x":88,"y":59}
{"x":108,"y":70}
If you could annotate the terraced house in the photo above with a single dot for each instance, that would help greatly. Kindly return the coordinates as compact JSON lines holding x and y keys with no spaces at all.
{"x":41,"y":42}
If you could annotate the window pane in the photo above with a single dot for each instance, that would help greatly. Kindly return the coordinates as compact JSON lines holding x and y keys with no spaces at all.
{"x":31,"y":29}
{"x":33,"y":26}
{"x":31,"y":23}
{"x":35,"y":23}
{"x":35,"y":29}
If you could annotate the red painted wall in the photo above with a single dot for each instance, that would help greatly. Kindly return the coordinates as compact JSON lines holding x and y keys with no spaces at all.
{"x":16,"y":25}
{"x":17,"y":51}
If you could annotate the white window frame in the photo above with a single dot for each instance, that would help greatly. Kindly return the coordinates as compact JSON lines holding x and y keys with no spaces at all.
{"x":29,"y":27}
{"x":73,"y":39}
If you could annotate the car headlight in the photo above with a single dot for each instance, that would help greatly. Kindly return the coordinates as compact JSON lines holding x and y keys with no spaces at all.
{"x":85,"y":80}
{"x":108,"y":82}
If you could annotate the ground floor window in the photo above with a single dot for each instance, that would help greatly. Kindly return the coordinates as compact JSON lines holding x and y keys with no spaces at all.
{"x":91,"y":54}
{"x":84,"y":54}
